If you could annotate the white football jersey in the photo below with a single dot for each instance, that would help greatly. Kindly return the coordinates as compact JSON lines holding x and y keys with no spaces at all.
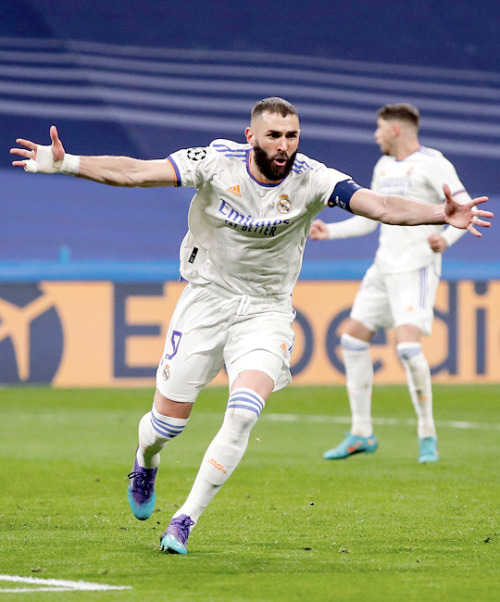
{"x":419,"y":177}
{"x":245,"y":235}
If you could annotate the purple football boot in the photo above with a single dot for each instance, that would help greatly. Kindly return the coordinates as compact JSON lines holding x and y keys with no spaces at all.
{"x":141,"y":491}
{"x":174,"y":540}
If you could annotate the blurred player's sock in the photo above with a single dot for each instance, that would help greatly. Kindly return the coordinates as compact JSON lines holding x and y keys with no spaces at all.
{"x":155,"y":431}
{"x":225,"y":451}
{"x":359,"y":380}
{"x":418,"y":375}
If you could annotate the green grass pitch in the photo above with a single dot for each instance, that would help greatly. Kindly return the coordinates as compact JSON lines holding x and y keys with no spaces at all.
{"x":287,"y":526}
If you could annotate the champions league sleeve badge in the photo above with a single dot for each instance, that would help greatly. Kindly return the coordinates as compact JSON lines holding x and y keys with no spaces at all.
{"x":196,"y":154}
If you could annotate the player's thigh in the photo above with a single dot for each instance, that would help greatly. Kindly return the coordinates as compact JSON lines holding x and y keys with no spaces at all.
{"x":262,"y":342}
{"x":412,"y":297}
{"x":193,"y":353}
{"x":371,"y":305}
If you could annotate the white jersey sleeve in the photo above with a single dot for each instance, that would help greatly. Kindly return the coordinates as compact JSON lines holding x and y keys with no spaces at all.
{"x":352,"y":227}
{"x":441,"y":171}
{"x":193,"y":166}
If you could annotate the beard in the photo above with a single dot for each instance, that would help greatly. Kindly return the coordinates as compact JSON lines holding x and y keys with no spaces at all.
{"x":268,"y":168}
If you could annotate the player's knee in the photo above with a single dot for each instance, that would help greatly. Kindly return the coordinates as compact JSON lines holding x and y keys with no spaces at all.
{"x":243,"y":410}
{"x":240,"y":421}
{"x":408,"y":351}
{"x":155,"y":430}
{"x":353,"y":344}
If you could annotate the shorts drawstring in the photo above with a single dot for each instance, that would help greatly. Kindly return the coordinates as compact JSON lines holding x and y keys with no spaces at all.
{"x":244,"y":302}
{"x":244,"y":305}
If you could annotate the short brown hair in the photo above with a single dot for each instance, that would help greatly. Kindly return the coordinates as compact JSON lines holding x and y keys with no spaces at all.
{"x":274,"y":104}
{"x":402,"y":111}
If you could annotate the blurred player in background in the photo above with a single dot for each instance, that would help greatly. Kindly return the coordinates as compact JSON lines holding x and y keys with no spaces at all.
{"x":248,"y":225}
{"x":399,"y":289}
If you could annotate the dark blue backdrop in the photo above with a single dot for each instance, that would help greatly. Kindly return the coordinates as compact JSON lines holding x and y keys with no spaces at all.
{"x":129,"y":78}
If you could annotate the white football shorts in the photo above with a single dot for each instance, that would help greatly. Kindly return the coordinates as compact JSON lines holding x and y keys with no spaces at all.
{"x":211,"y":328}
{"x":391,"y":300}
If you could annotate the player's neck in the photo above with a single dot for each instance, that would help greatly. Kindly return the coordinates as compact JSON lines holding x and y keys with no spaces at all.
{"x":405,"y":149}
{"x":255,"y":171}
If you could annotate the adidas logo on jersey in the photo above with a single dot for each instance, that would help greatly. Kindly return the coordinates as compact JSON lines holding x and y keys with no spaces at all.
{"x":234,"y":190}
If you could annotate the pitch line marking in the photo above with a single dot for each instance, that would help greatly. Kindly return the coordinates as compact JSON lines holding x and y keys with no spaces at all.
{"x":55,"y":585}
{"x":456,"y":424}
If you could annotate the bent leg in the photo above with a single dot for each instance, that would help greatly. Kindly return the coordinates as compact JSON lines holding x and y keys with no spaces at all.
{"x":418,"y":376}
{"x":156,"y":429}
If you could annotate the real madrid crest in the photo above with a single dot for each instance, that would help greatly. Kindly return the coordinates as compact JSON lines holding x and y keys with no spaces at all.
{"x":166,"y":372}
{"x":284,"y":204}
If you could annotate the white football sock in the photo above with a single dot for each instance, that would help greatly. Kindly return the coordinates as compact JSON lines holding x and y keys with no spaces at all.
{"x":225,"y":451}
{"x":155,"y":431}
{"x":418,"y":375}
{"x":359,"y":380}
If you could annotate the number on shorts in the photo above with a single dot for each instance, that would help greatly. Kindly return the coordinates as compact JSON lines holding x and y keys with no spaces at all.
{"x":175,"y":340}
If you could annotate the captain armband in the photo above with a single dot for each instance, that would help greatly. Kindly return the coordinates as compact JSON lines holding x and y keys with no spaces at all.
{"x":45,"y":163}
{"x":342,"y":193}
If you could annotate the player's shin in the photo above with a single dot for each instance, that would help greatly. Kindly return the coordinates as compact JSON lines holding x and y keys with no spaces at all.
{"x":419,"y":384}
{"x":359,"y":380}
{"x":224,"y":452}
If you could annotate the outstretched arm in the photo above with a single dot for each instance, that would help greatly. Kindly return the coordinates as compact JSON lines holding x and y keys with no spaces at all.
{"x":391,"y":209}
{"x":115,"y":171}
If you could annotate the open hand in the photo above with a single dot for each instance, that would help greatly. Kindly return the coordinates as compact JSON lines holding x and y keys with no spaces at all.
{"x":39,"y":158}
{"x":465,"y":216}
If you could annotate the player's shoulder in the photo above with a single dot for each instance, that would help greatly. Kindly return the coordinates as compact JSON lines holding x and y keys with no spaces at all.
{"x":384,"y":162}
{"x":384,"y":159}
{"x":433,"y":160}
{"x":304,"y":165}
{"x":229,"y":149}
{"x":425,"y":153}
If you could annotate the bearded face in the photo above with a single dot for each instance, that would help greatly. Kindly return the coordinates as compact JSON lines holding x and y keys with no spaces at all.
{"x":275,"y":167}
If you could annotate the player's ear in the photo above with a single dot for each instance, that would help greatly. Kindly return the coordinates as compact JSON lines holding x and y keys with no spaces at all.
{"x":249,"y":136}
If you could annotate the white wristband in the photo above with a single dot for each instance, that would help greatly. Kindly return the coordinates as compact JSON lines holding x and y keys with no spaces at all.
{"x":70,"y":164}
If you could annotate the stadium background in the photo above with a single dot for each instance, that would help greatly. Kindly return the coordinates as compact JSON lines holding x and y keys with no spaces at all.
{"x":88,"y":273}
